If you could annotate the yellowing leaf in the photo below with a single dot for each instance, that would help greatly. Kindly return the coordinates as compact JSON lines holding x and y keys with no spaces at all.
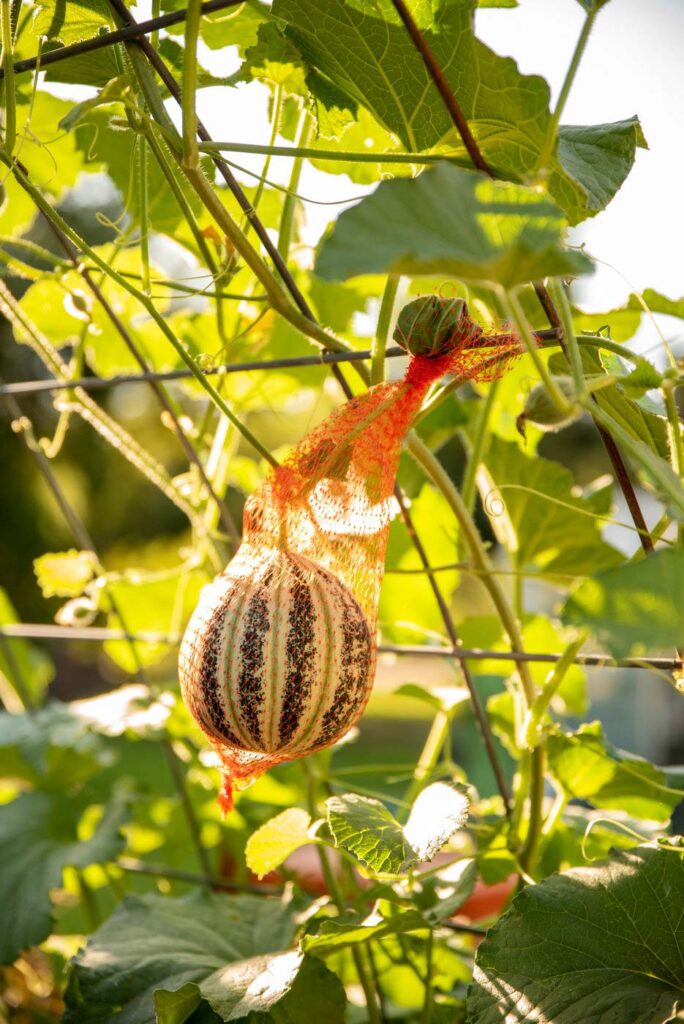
{"x":273,"y":843}
{"x":64,"y":573}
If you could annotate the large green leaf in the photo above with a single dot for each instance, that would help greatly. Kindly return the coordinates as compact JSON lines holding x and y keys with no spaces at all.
{"x":38,"y":839}
{"x":591,"y":164}
{"x":537,"y":517}
{"x":364,"y":827}
{"x":591,"y":945}
{"x":587,"y":767}
{"x":156,"y":957}
{"x":51,"y":748}
{"x":450,"y":221}
{"x":636,"y":608}
{"x":71,"y":21}
{"x":367,"y":53}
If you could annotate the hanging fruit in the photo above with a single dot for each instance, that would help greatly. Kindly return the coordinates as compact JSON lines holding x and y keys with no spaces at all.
{"x":279,"y":656}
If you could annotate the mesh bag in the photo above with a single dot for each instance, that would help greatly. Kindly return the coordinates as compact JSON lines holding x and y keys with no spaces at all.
{"x":317,"y":529}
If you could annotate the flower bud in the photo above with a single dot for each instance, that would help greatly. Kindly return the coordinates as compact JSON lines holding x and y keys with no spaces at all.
{"x":426,"y":326}
{"x":541,"y":410}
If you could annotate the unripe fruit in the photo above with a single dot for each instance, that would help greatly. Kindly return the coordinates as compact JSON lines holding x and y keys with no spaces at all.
{"x":541,"y":410}
{"x":278,"y":657}
{"x":426,"y":326}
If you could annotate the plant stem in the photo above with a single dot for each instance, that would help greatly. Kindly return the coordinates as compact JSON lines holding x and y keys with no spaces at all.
{"x":10,"y":125}
{"x":429,"y":755}
{"x":477,"y":450}
{"x":145,"y":301}
{"x":338,"y":155}
{"x":513,"y":311}
{"x":426,"y":1015}
{"x":144,"y":216}
{"x":189,"y":88}
{"x":382,"y":330}
{"x":549,"y":143}
{"x":337,"y":898}
{"x":537,"y":771}
{"x":290,"y":204}
{"x":674,"y":432}
{"x":535,"y":715}
{"x":570,"y":345}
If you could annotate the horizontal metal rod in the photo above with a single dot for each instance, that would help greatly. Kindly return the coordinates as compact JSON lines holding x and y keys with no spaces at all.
{"x":118,"y":36}
{"x":40,"y":631}
{"x":139,"y":867}
{"x":32,"y":387}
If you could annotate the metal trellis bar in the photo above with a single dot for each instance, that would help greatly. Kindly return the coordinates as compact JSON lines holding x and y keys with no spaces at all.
{"x":110,"y":38}
{"x":32,"y":387}
{"x":98,"y":634}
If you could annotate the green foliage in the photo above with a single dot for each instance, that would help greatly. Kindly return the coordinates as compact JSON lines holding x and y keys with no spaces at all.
{"x":38,"y":839}
{"x":634,"y":608}
{"x":609,"y":935}
{"x":365,"y":828}
{"x":113,"y":850}
{"x":231,"y":957}
{"x":450,"y":221}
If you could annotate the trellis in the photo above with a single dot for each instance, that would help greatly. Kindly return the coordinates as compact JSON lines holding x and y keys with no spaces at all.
{"x":135,"y":35}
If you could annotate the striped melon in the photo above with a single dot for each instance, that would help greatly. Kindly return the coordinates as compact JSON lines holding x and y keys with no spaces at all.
{"x":278,"y":658}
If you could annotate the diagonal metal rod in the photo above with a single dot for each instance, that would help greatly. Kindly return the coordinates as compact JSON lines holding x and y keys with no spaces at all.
{"x":98,"y":634}
{"x":460,"y":121}
{"x":121,"y":35}
{"x":82,"y":537}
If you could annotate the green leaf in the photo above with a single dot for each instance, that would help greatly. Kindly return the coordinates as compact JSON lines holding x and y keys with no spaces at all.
{"x":65,"y":573}
{"x":636,"y":608}
{"x":365,"y":828}
{"x":656,"y":302}
{"x":273,"y":843}
{"x":438,"y":812}
{"x":229,"y":950}
{"x":386,"y":919}
{"x":71,"y":21}
{"x":50,"y":748}
{"x":643,"y":425}
{"x":38,"y":839}
{"x":589,"y":768}
{"x":25,"y":670}
{"x":537,"y":517}
{"x":367,"y":53}
{"x":591,"y":164}
{"x":95,"y":68}
{"x":592,"y":944}
{"x":450,"y":221}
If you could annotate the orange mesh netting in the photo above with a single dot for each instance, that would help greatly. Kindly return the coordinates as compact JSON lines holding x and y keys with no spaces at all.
{"x":332,"y":500}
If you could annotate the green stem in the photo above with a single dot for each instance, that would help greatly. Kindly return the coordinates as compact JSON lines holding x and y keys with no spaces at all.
{"x":560,"y":299}
{"x":426,"y":1015}
{"x":429,"y":755}
{"x":477,"y":451}
{"x":659,"y":470}
{"x":10,"y":126}
{"x":382,"y":330}
{"x":337,"y":898}
{"x":144,"y":300}
{"x":290,"y":205}
{"x":532,"y":735}
{"x":338,"y":155}
{"x":275,"y":125}
{"x":674,"y":432}
{"x":513,"y":311}
{"x":434,"y":470}
{"x":144,"y":216}
{"x":550,"y":140}
{"x":440,"y":478}
{"x":189,"y":85}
